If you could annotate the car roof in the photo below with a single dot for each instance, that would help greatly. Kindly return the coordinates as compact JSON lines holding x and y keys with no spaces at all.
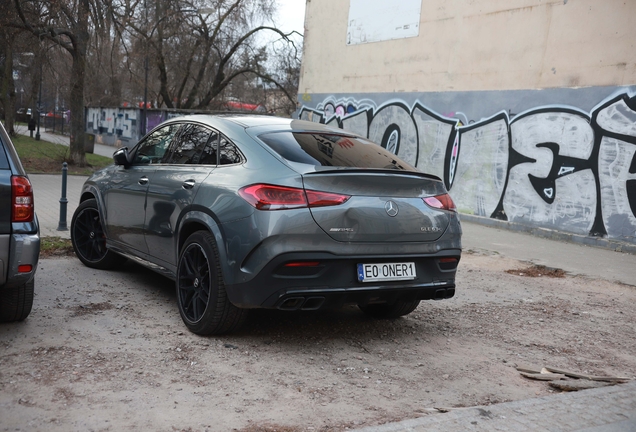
{"x":262,"y":123}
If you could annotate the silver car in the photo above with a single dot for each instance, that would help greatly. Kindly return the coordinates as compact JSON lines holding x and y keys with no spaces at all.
{"x":264,"y":212}
{"x":19,"y":235}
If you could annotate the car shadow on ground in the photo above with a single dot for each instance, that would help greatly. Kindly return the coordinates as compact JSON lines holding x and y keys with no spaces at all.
{"x":265,"y":325}
{"x":334,"y":324}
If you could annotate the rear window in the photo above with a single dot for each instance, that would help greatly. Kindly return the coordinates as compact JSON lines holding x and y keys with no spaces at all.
{"x":332,"y":150}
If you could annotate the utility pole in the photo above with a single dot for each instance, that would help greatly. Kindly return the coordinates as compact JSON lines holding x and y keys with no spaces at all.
{"x":37,"y":133}
{"x":145,"y":111}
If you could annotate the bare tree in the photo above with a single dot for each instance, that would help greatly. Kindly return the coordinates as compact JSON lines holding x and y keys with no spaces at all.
{"x":67,"y":24}
{"x":8,"y":42}
{"x":187,"y":52}
{"x":106,"y":57}
{"x":198,"y":48}
{"x":7,"y":86}
{"x":281,"y":94}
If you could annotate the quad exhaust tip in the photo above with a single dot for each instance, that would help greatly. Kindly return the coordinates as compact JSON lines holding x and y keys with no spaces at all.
{"x":302,"y":303}
{"x":315,"y":303}
{"x":444,"y":293}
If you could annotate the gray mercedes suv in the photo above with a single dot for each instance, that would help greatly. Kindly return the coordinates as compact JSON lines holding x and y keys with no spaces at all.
{"x":19,"y":235}
{"x":264,"y":212}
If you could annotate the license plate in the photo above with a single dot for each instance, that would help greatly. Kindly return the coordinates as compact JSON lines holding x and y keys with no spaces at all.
{"x":386,"y":272}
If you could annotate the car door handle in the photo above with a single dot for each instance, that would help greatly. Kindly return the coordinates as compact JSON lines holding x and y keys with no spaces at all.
{"x":143,"y":181}
{"x":188,"y":184}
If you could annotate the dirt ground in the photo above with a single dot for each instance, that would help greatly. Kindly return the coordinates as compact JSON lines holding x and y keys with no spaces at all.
{"x":107,"y":351}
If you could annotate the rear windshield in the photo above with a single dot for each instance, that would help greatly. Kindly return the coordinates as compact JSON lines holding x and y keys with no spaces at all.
{"x":331,"y":150}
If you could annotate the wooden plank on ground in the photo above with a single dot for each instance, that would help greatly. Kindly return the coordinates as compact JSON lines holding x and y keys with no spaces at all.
{"x":543,"y":376}
{"x":528,"y":369}
{"x":587,"y":377}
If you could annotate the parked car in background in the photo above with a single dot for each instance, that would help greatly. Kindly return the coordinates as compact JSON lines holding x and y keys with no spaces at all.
{"x":26,"y":112}
{"x":247,"y":211}
{"x":19,"y":235}
{"x":236,"y":105}
{"x":23,"y":115}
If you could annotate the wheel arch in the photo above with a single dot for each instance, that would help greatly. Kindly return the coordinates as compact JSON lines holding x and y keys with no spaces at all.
{"x":91,"y":247}
{"x":86,"y":195}
{"x":89,"y":191}
{"x":200,"y":221}
{"x":188,"y":229}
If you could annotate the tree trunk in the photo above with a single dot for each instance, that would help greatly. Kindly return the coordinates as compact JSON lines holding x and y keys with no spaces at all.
{"x":78,"y":78}
{"x":7,"y":87}
{"x":163,"y":79}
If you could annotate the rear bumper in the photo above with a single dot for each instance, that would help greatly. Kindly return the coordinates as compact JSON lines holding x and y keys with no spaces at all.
{"x":24,"y":250}
{"x":333,"y":282}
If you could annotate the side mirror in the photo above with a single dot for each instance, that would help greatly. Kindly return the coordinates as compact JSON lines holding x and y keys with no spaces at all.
{"x":121,"y":157}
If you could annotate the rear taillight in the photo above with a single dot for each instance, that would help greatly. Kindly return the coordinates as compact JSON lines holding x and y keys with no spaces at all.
{"x":442,"y":202}
{"x":21,"y":199}
{"x":271,"y":197}
{"x":323,"y":199}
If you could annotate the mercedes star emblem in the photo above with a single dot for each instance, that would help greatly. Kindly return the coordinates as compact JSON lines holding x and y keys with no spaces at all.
{"x":391,"y":208}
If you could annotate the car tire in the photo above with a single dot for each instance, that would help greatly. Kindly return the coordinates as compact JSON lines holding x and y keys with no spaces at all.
{"x":201,"y":296}
{"x":89,"y":241}
{"x":16,"y":302}
{"x":394,"y":309}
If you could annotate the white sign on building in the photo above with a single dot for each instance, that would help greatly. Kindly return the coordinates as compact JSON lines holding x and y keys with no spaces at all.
{"x":380,"y":20}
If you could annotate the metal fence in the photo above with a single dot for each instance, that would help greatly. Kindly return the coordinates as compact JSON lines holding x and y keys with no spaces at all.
{"x":56,"y":122}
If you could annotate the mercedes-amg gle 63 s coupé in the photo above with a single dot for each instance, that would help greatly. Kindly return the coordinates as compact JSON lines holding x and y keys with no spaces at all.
{"x":264,"y":212}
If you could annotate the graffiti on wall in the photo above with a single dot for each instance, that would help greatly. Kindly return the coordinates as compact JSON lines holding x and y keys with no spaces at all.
{"x":123,"y":126}
{"x":120,"y":122}
{"x":556,"y":167}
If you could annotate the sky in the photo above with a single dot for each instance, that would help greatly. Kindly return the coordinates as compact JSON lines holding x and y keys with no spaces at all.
{"x":291,"y":15}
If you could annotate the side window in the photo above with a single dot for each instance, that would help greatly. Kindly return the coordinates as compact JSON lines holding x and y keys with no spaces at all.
{"x":154,"y":147}
{"x":229,"y":153}
{"x":4,"y":162}
{"x":208,"y":156}
{"x":188,"y":146}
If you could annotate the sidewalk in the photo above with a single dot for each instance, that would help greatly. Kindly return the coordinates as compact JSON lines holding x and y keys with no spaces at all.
{"x":574,"y":258}
{"x":47,"y":191}
{"x":99,"y":149}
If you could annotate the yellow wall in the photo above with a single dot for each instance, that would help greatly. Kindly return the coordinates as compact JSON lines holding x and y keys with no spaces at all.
{"x":467,"y":45}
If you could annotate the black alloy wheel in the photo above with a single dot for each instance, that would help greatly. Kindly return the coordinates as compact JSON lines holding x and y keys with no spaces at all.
{"x":89,"y":241}
{"x":201,"y":296}
{"x":194,"y":282}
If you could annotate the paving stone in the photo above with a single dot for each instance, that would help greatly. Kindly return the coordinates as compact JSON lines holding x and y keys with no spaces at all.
{"x":607,"y":409}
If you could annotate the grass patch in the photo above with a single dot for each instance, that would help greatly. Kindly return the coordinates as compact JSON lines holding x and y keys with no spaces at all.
{"x":41,"y":157}
{"x":55,"y":246}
